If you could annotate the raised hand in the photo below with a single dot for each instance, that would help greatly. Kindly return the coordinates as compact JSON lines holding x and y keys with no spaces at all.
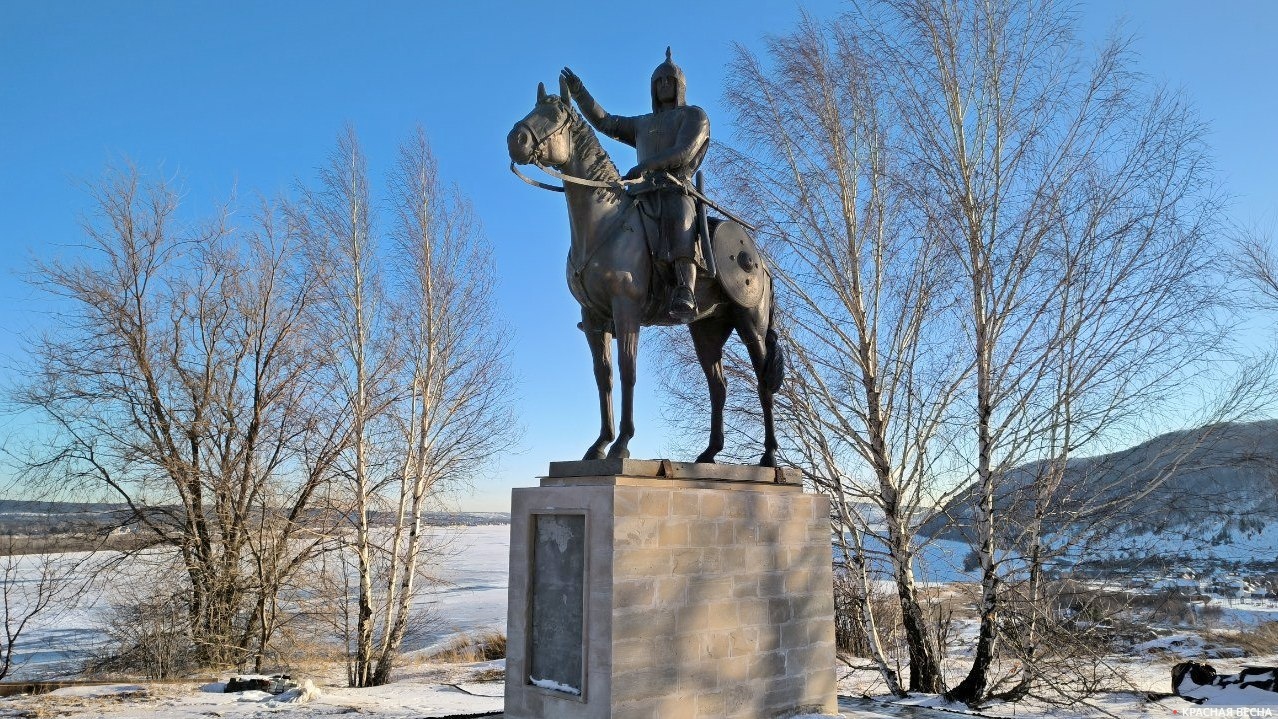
{"x":571,"y":80}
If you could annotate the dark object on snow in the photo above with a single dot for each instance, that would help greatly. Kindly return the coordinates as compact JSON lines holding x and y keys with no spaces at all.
{"x":1200,"y":674}
{"x":274,"y":684}
{"x":1188,"y":676}
{"x":250,"y":684}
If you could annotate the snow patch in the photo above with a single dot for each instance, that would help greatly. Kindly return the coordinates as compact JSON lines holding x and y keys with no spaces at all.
{"x":553,"y":685}
{"x":297,"y":695}
{"x":103,"y":690}
{"x":1230,"y":696}
{"x":1176,"y":643}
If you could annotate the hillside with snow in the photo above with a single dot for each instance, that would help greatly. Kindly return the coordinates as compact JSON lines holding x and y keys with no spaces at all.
{"x":1203,"y":501}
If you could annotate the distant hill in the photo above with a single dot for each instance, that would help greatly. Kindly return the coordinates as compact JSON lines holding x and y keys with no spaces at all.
{"x":23,"y":517}
{"x":43,"y":526}
{"x":1208,"y":494}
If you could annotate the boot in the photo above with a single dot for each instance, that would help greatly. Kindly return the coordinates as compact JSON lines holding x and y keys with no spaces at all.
{"x":683,"y":306}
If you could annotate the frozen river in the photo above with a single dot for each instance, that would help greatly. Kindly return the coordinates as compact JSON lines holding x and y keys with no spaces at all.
{"x":471,"y":595}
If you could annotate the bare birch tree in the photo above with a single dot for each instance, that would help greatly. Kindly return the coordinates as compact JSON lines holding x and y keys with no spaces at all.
{"x":453,"y":412}
{"x":420,"y":359}
{"x":1257,"y":263}
{"x":1078,"y":206}
{"x":868,"y":304}
{"x":995,"y":249}
{"x":336,"y":221}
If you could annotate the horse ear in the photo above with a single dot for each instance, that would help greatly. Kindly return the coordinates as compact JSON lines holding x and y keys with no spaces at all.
{"x":564,"y":92}
{"x":541,"y":92}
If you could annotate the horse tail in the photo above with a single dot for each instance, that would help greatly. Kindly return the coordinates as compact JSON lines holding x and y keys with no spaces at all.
{"x":773,"y":356}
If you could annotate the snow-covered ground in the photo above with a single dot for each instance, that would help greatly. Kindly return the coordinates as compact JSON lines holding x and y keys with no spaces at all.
{"x":473,"y":597}
{"x":437,"y":694}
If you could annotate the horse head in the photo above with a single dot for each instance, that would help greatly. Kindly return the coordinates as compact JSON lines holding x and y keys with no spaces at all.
{"x":543,"y":137}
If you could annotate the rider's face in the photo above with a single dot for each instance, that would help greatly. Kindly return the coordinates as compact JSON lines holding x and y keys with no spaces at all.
{"x":667,"y":89}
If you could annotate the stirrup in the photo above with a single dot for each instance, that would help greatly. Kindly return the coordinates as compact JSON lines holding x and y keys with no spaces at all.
{"x":683,"y":307}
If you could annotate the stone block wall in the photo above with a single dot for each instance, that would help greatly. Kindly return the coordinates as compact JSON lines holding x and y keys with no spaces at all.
{"x":704,"y":599}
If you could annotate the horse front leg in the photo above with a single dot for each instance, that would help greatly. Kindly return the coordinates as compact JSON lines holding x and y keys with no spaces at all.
{"x":626,"y":322}
{"x":600,"y":341}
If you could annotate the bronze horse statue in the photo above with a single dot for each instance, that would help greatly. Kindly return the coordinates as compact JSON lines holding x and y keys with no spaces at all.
{"x":612,"y":274}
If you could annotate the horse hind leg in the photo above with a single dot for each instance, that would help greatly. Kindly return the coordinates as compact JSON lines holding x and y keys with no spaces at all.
{"x":708,"y":338}
{"x":600,"y":341}
{"x":753,"y":327}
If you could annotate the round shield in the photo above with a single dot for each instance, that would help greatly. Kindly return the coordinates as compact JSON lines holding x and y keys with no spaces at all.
{"x":741,"y":271}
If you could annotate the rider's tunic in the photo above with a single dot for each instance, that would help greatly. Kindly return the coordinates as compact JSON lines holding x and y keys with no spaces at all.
{"x":670,"y":144}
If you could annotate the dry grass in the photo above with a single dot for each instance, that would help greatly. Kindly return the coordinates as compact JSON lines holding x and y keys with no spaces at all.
{"x":478,"y":647}
{"x":298,"y":652}
{"x":1257,"y":641}
{"x":489,"y":674}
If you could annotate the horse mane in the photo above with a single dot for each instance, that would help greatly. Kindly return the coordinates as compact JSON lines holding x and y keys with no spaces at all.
{"x":598,"y":165}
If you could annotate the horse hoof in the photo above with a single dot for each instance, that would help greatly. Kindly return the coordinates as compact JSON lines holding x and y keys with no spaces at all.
{"x":593,"y":454}
{"x":706,"y":457}
{"x":768,"y":460}
{"x":622,"y":453}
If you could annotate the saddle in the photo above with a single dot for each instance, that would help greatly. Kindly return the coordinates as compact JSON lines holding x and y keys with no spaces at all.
{"x":734,"y":260}
{"x":725,"y":250}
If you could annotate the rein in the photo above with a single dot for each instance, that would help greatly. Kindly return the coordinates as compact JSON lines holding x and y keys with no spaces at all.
{"x":534,"y":183}
{"x":569,"y":179}
{"x":620,"y":187}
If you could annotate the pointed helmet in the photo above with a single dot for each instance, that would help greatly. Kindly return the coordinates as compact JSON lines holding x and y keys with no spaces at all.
{"x":669,"y":69}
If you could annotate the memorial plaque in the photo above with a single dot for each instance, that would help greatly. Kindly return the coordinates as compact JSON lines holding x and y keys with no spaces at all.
{"x":557,"y":612}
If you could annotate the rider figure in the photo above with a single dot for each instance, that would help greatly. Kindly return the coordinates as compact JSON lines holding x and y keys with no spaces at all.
{"x":670,"y":142}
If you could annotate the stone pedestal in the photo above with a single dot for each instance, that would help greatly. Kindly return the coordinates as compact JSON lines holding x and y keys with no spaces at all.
{"x":660,"y":590}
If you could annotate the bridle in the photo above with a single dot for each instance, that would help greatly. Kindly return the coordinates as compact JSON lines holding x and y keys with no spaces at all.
{"x":535,"y":158}
{"x":538,"y":143}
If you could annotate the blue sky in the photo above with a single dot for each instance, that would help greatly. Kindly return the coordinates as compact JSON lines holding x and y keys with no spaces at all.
{"x":248,"y":97}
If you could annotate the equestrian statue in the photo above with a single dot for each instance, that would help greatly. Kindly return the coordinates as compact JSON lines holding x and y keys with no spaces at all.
{"x":644,"y":250}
